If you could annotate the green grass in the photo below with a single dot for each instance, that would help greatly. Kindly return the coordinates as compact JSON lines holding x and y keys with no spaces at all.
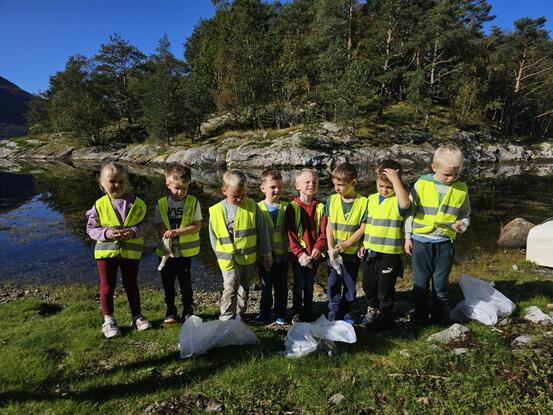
{"x":53,"y":359}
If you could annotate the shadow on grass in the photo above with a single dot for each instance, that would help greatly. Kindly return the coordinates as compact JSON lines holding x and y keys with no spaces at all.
{"x":218,"y":360}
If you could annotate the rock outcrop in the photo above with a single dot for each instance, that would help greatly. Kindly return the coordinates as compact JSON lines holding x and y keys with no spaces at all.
{"x":515,"y":233}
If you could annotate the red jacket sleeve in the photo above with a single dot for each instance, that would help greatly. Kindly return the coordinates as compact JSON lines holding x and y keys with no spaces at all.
{"x":290,"y":227}
{"x":320,"y":244}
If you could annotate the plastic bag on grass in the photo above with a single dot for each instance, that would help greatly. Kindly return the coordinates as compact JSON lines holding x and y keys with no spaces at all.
{"x":482,"y":302}
{"x":304,"y":338}
{"x":197,"y":337}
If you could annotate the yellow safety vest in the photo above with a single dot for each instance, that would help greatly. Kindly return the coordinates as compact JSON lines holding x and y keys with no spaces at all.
{"x":279,"y":239}
{"x":384,"y":230}
{"x":430,"y":214}
{"x":189,"y":244}
{"x":342,"y":229}
{"x":242,"y":245}
{"x":130,"y":248}
{"x":319,"y":212}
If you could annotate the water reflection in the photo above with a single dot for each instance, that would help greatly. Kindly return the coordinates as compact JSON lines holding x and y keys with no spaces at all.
{"x":42,"y":221}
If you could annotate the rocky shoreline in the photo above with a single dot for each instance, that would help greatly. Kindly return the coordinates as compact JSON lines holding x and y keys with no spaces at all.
{"x":322,"y":148}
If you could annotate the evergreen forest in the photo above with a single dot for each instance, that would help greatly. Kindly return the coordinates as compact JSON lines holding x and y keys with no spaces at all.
{"x":276,"y":65}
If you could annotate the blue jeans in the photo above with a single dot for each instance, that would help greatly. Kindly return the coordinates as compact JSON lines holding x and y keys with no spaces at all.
{"x":276,"y":277}
{"x":304,"y":279}
{"x":432,"y":261}
{"x":341,"y":289}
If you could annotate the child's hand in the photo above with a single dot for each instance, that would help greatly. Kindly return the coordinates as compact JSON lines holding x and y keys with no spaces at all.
{"x":267,"y":262}
{"x":315,"y":254}
{"x":341,"y":247}
{"x":113,"y":234}
{"x":392,"y":175}
{"x":408,"y":246}
{"x":459,"y":226}
{"x":127,"y":234}
{"x":169,"y":234}
{"x":304,"y":259}
{"x":361,"y":252}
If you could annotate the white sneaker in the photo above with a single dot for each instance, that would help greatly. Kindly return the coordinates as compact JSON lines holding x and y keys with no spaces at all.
{"x":110,"y":329}
{"x":141,"y":324}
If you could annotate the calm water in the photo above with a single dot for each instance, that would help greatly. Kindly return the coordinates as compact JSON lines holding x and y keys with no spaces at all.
{"x":42,"y":215}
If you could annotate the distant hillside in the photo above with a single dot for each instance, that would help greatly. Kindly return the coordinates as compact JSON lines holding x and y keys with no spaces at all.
{"x":13,"y":106}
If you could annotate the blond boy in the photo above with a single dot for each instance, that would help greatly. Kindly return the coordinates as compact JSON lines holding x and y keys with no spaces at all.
{"x":440,"y":209}
{"x":305,"y":225}
{"x":237,"y":232}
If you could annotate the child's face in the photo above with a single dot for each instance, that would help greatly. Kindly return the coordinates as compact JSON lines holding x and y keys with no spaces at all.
{"x":115,"y":185}
{"x":343,"y":188}
{"x":272,"y":189}
{"x":178,"y":189}
{"x":307,"y":185}
{"x":446,"y":175}
{"x":234,"y":195}
{"x":384,"y":187}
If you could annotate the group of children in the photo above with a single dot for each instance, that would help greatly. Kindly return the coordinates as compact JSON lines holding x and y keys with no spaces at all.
{"x":348,"y":232}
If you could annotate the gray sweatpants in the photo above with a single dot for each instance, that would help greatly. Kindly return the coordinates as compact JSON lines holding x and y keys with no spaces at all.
{"x":236,"y":288}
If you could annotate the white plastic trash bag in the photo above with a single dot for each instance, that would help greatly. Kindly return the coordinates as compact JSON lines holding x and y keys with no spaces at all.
{"x":482,"y":302}
{"x":304,"y":338}
{"x":197,"y":337}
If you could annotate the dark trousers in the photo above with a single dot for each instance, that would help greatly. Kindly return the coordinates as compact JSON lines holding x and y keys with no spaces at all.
{"x":107,"y":268}
{"x":304,"y":280}
{"x":379,"y":279}
{"x":341,"y":289}
{"x":432,"y":262}
{"x":179,"y":269}
{"x":276,"y":277}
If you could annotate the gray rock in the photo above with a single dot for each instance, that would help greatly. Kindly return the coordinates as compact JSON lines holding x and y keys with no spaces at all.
{"x":331,"y":127}
{"x":505,"y":322}
{"x":455,"y":331}
{"x":535,"y":315}
{"x":434,"y":348}
{"x":523,"y":340}
{"x":515,"y":233}
{"x":336,"y":399}
{"x":404,"y":353}
{"x":459,"y":351}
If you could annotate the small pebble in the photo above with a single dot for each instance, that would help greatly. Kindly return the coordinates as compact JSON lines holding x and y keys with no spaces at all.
{"x":336,"y":399}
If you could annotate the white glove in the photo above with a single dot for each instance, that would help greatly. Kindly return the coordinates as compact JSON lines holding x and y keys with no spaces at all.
{"x":305,"y":260}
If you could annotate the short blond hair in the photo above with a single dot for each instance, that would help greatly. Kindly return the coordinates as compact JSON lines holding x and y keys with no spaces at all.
{"x":235,"y":178}
{"x":312,"y":172}
{"x":448,"y":155}
{"x":112,"y":168}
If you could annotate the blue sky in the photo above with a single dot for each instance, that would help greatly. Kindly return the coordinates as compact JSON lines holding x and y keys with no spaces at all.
{"x":37,"y":36}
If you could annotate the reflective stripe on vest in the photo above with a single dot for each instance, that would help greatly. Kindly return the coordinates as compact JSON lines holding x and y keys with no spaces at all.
{"x":279,"y":239}
{"x":430,"y":214}
{"x":242,"y":246}
{"x":342,"y":229}
{"x":319,"y":211}
{"x":129,"y":248}
{"x":188,"y":245}
{"x":384,"y":230}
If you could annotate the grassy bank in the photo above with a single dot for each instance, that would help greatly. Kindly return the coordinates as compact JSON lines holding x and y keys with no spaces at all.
{"x":54,"y":360}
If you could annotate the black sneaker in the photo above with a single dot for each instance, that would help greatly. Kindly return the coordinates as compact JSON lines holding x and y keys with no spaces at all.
{"x":370,"y":317}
